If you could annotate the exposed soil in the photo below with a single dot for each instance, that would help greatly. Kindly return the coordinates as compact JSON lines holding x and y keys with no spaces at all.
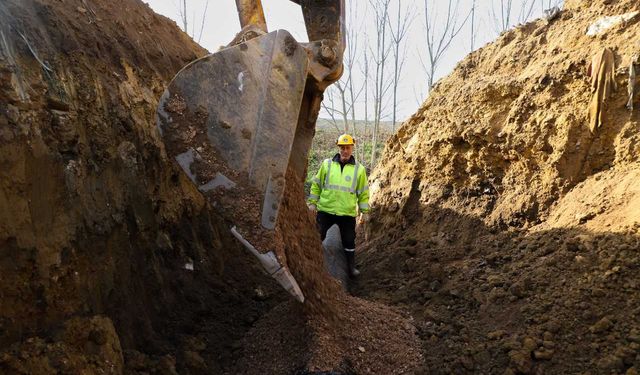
{"x":340,"y":332}
{"x":96,"y":223}
{"x":505,"y":235}
{"x":505,"y":227}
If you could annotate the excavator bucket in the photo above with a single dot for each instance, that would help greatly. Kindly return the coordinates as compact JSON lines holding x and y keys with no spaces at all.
{"x":229,"y":119}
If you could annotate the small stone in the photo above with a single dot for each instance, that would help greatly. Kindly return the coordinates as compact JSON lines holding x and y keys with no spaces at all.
{"x":517,"y":290}
{"x":435,"y":285}
{"x":496,"y":334}
{"x":467,"y":363}
{"x":167,"y":365}
{"x":98,"y":337}
{"x":602,"y":325}
{"x":529,"y":344}
{"x":361,"y":349}
{"x":410,"y":251}
{"x":495,"y":280}
{"x":634,"y":335}
{"x":549,"y":344}
{"x":260,"y":294}
{"x":194,"y":362}
{"x":632,"y":371}
{"x":543,"y":354}
{"x":611,"y":363}
{"x":521,"y":360}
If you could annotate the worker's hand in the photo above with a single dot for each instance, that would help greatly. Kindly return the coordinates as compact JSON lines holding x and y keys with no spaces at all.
{"x":313,"y":210}
{"x":364,"y":218}
{"x":364,"y":223}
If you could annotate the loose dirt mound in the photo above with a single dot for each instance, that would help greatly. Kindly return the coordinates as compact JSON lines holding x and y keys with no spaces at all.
{"x":503,"y":224}
{"x":341,"y":333}
{"x":332,"y":331}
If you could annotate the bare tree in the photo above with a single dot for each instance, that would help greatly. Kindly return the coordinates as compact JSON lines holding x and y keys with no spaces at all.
{"x":346,"y":89}
{"x":440,"y":33}
{"x":526,"y":10}
{"x":550,"y":4}
{"x":398,"y":33}
{"x":183,"y":15}
{"x":184,"y":18}
{"x":473,"y":25}
{"x":504,"y":18}
{"x":330,"y":106}
{"x":204,"y":17}
{"x":379,"y":56}
{"x":365,"y":85}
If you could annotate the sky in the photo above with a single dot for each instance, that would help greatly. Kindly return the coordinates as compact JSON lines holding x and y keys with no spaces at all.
{"x":221,"y":24}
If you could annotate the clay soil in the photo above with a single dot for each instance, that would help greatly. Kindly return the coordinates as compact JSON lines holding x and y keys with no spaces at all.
{"x":508,"y":230}
{"x":110,"y":260}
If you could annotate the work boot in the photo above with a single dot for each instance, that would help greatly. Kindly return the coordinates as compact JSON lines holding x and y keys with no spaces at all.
{"x":351,"y":263}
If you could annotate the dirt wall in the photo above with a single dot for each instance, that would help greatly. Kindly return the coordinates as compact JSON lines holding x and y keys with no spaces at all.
{"x":502,"y":223}
{"x":94,"y":219}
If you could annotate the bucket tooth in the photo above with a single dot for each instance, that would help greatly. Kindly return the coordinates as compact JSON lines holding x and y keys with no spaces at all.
{"x":273,"y":267}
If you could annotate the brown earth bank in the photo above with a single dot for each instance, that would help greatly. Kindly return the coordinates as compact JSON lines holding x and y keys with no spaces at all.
{"x":507,"y":228}
{"x":98,"y":230}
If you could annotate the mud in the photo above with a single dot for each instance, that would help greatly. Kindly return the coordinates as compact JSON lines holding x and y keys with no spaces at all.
{"x":239,"y":204}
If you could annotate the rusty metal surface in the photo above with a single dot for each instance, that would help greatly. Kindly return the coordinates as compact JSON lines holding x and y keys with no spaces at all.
{"x":251,"y":97}
{"x":324,"y":19}
{"x":251,"y":13}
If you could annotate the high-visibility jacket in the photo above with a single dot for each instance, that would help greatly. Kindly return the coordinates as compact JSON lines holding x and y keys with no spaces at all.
{"x":340,"y":191}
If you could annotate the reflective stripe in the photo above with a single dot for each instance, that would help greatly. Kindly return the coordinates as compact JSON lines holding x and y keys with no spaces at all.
{"x":365,"y":188}
{"x":350,"y":250}
{"x":339,"y":188}
{"x":316,"y":180}
{"x":313,"y":196}
{"x":326,"y":180}
{"x":355,"y":177}
{"x":363,"y":206}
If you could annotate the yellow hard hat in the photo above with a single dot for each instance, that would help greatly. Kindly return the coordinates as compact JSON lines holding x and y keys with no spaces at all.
{"x":345,"y":140}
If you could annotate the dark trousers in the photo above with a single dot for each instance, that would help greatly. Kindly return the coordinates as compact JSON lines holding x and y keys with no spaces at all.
{"x":347,"y":225}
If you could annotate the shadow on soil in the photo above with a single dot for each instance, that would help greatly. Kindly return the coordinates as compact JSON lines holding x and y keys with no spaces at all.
{"x":488,"y":301}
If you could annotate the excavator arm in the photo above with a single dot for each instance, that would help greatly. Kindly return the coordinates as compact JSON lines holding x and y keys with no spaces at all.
{"x":238,"y":120}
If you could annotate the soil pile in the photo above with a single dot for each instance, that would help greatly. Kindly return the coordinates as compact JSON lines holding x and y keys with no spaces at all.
{"x":505,"y":226}
{"x":331,"y":331}
{"x":96,"y":223}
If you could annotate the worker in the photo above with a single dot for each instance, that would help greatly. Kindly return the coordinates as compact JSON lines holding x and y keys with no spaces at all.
{"x":339,"y":191}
